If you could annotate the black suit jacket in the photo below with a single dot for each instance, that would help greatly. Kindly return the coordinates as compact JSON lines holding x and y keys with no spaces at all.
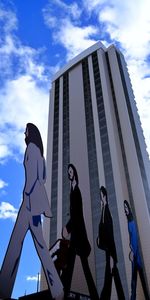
{"x":76,"y":225}
{"x":106,"y":234}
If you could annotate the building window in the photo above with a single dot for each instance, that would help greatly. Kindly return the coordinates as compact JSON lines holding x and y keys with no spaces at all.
{"x":66,"y":156}
{"x":53,"y":225}
{"x":92,"y":159}
{"x":107,"y":162}
{"x":103,"y":125}
{"x":134,"y":131}
{"x":120,"y":133}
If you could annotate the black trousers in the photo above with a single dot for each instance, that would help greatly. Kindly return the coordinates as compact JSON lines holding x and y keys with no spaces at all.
{"x":137,"y":269}
{"x":106,"y":291}
{"x":68,"y":272}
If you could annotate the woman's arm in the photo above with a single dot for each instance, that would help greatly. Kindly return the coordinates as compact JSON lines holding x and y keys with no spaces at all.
{"x":31,"y":168}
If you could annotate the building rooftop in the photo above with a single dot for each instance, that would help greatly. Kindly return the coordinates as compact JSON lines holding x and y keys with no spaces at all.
{"x":78,"y":58}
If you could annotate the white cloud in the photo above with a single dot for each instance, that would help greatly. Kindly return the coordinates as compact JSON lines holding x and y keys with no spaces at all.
{"x":62,"y":10}
{"x":4,"y":150}
{"x":91,"y":5}
{"x":129,"y":24}
{"x":24,"y":95}
{"x":108,"y":14}
{"x":9,"y":19}
{"x":33,"y":278}
{"x":8,"y":211}
{"x":21,"y":102}
{"x":2,"y":184}
{"x":50,"y":20}
{"x":74,"y":38}
{"x":71,"y":9}
{"x":68,"y":31}
{"x":27,"y":59}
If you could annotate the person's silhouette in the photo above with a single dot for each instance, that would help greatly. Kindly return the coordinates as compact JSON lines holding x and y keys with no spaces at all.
{"x":35,"y":202}
{"x":79,"y":244}
{"x":105,"y":242}
{"x":134,"y":254}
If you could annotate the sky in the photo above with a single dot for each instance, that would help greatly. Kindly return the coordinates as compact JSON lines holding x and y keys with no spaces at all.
{"x":37,"y":38}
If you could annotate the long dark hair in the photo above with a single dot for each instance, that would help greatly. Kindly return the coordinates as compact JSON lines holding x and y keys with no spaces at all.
{"x":104,"y":191}
{"x":129,"y":215}
{"x":75,"y":172}
{"x":34,"y":136}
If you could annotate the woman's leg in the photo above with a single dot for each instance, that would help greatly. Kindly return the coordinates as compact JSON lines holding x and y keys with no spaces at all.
{"x":118,"y":284}
{"x":12,"y":257}
{"x":106,"y":291}
{"x":66,"y":276}
{"x":89,"y":279}
{"x":143,"y":282}
{"x":53,"y":280}
{"x":133,"y":280}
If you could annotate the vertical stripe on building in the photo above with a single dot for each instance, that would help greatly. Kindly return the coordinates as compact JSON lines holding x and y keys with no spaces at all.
{"x":66,"y":150}
{"x":92,"y":160}
{"x":54,"y":183}
{"x":107,"y":162}
{"x":135,"y":135}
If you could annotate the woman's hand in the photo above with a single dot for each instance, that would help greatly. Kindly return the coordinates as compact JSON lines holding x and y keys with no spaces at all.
{"x":65,"y":234}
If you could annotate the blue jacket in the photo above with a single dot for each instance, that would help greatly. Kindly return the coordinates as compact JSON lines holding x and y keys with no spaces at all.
{"x":134,"y":242}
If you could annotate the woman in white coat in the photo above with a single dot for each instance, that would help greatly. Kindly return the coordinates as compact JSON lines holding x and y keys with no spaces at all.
{"x":35,"y":202}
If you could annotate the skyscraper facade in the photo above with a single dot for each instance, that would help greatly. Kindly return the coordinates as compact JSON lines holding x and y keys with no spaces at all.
{"x":94,"y":124}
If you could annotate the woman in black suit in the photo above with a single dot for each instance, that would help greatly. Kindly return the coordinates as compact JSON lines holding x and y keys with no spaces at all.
{"x":106,"y":242}
{"x":79,"y":244}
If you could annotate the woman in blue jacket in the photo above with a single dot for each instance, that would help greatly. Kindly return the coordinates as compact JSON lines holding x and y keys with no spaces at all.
{"x":134,"y":254}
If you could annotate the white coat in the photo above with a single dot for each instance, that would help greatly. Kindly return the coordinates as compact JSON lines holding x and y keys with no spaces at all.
{"x":35,"y":194}
{"x":35,"y":202}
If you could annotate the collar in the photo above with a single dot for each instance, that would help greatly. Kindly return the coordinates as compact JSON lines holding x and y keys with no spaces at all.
{"x":73,"y":185}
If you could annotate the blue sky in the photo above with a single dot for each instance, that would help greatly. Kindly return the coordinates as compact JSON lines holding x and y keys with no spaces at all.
{"x":36,"y":39}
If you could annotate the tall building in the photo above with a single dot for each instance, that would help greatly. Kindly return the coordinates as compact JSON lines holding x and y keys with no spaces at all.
{"x":94,"y":124}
